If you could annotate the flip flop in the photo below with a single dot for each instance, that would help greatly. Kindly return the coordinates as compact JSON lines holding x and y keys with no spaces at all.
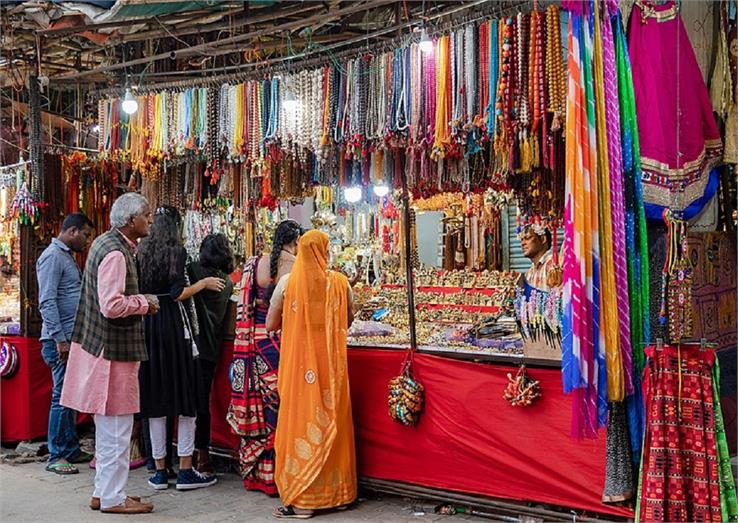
{"x":289,"y":513}
{"x":81,"y":457}
{"x":63,"y":469}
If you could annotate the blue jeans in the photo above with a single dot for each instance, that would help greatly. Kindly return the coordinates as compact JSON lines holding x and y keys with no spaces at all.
{"x":63,"y":442}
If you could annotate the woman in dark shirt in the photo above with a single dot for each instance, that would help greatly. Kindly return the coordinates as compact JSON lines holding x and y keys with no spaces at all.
{"x":168,"y":380}
{"x":216,"y":318}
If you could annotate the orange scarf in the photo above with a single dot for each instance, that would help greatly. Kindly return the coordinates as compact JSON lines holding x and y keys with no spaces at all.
{"x":315,"y":460}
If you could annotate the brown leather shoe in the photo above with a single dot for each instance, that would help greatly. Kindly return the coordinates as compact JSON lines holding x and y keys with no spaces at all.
{"x":130,"y":506}
{"x":95,"y":502}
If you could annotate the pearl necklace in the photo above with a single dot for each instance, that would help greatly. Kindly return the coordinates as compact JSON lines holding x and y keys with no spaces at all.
{"x":470,"y":73}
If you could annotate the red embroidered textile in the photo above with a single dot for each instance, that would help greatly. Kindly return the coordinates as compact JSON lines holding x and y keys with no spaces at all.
{"x":680,"y":478}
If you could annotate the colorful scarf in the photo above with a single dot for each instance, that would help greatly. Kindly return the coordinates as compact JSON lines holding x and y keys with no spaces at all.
{"x":583,"y":356}
{"x":636,"y":237}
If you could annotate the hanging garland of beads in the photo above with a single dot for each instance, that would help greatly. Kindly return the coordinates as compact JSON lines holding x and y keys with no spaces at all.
{"x":470,"y":115}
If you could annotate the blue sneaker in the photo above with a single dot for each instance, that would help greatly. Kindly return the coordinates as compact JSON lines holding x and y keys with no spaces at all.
{"x":189,"y":479}
{"x":159,"y":481}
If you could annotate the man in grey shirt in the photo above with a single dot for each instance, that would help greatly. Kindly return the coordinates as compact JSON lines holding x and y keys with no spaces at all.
{"x":59,"y":283}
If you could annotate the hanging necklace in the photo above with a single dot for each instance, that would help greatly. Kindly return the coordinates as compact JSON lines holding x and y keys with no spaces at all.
{"x":504,"y":89}
{"x":484,"y":74}
{"x":555,"y":68}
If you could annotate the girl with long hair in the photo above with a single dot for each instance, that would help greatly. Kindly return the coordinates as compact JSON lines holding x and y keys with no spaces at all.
{"x":215,"y":315}
{"x":168,"y":380}
{"x":254,"y":400}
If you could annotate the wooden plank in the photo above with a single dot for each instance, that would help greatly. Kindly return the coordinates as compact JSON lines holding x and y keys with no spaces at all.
{"x":210,"y":48}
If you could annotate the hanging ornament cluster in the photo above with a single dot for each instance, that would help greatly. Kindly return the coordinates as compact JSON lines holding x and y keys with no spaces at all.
{"x":522,"y":390}
{"x":484,"y":106}
{"x":167,"y":124}
{"x":406,"y":398}
{"x":25,"y":208}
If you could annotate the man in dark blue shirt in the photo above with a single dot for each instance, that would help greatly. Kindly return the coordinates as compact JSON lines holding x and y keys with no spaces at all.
{"x":59,"y":283}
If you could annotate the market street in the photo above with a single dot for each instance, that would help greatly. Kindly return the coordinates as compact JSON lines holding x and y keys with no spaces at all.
{"x":29,"y":493}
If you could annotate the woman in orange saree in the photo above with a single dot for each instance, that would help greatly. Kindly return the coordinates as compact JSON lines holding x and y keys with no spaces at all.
{"x":315,"y":465}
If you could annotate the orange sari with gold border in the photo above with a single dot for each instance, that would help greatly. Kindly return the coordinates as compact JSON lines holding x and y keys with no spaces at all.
{"x":315,"y":459}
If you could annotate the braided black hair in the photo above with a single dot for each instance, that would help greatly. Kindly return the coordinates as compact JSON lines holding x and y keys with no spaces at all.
{"x":287,"y":232}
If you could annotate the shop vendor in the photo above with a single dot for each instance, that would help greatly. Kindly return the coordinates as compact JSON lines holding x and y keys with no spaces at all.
{"x":538,"y":298}
{"x":536,"y":243}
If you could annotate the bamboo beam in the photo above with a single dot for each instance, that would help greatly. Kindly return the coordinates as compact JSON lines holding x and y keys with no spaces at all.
{"x":211,"y":47}
{"x":196,"y":28}
{"x":64,"y":31}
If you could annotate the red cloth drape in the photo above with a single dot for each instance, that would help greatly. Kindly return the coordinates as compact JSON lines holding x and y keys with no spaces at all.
{"x":26,"y":397}
{"x":470,"y":439}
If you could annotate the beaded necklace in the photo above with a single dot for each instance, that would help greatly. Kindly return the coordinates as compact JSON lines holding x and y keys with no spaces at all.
{"x":271,"y":132}
{"x":325,"y":113}
{"x":236,"y":141}
{"x":470,"y":73}
{"x":442,"y":87}
{"x":504,"y":89}
{"x":456,"y":49}
{"x":484,"y":74}
{"x":555,"y":68}
{"x":401,"y":117}
{"x":523,"y":114}
{"x":416,"y":94}
{"x":494,"y":67}
{"x":223,"y":118}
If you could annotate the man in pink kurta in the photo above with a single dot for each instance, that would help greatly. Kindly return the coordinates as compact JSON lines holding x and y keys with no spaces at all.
{"x":107,"y":348}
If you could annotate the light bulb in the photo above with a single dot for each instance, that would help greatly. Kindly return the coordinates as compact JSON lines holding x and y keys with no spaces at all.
{"x":426,"y":44}
{"x":129,"y":105}
{"x":381,"y":190}
{"x":95,"y":128}
{"x":291,"y":106}
{"x":352,"y":194}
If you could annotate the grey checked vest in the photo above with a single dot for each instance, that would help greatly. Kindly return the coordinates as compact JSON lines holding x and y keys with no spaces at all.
{"x":120,"y":339}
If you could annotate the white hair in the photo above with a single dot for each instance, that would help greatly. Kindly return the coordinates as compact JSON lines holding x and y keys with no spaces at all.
{"x":128,"y":206}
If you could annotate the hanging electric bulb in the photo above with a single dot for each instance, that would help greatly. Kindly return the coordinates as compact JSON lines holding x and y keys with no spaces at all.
{"x":129,"y":105}
{"x":352,"y":194}
{"x":95,"y":128}
{"x":381,"y":190}
{"x":426,"y":44}
{"x":291,"y":105}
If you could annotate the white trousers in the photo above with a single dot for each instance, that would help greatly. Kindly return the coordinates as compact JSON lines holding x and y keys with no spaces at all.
{"x":185,"y":436}
{"x":112,"y":455}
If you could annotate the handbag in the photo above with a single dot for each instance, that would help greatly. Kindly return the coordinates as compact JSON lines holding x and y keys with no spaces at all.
{"x":406,"y":395}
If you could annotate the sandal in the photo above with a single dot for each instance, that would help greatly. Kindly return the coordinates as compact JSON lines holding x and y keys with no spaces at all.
{"x":81,"y":457}
{"x":63,"y":469}
{"x":289,"y":513}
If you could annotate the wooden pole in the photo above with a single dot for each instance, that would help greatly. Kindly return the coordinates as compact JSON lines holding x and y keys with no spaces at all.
{"x":36,"y":151}
{"x":211,"y":47}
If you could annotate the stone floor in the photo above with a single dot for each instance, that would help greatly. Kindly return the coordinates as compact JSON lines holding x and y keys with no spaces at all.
{"x":29,"y":493}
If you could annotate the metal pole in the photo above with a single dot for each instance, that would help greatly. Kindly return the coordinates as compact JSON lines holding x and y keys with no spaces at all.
{"x":409,"y":270}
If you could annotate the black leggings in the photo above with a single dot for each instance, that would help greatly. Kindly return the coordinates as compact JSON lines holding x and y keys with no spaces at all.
{"x":206,"y":375}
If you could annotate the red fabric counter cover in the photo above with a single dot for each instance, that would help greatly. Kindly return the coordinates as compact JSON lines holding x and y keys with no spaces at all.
{"x":470,"y":439}
{"x":26,"y":396}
